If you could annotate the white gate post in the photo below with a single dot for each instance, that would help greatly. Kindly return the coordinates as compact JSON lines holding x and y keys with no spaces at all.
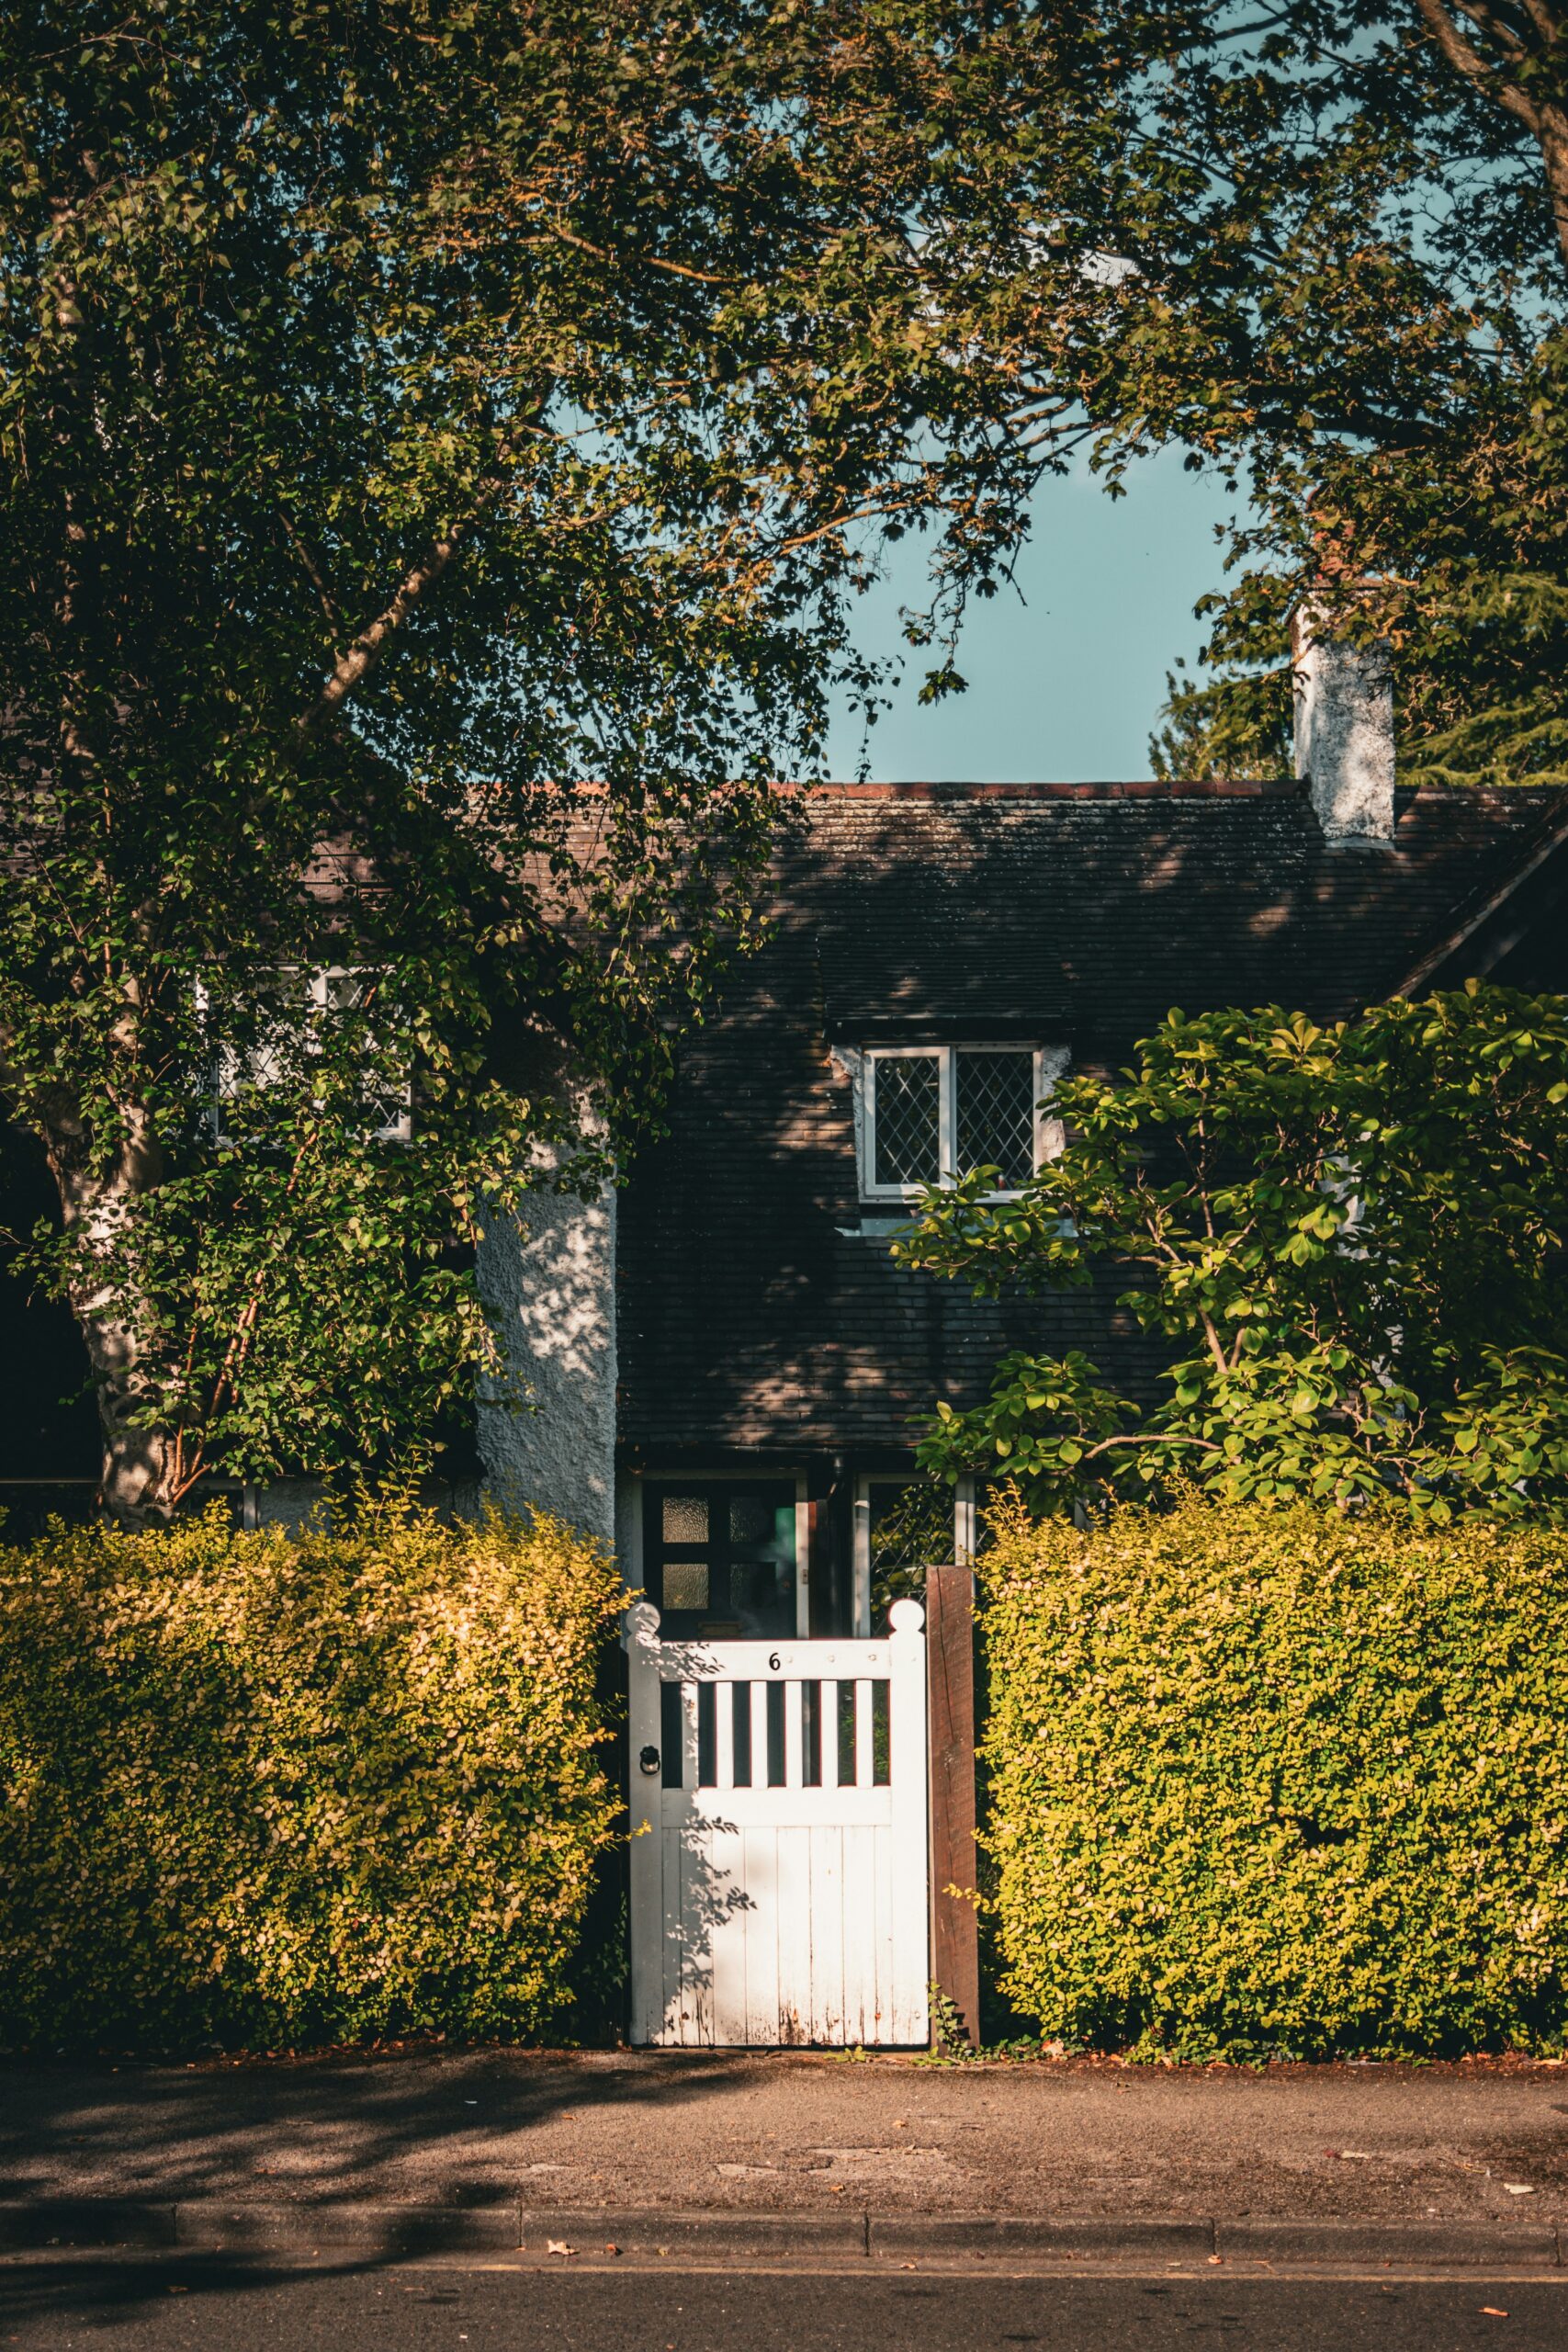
{"x":645,"y":1892}
{"x":910,"y":1826}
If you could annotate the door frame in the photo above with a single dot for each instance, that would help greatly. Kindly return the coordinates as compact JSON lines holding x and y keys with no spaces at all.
{"x":964,"y":1532}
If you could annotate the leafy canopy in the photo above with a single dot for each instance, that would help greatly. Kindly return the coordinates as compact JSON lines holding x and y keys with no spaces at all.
{"x":1324,"y":249}
{"x":438,"y":448}
{"x":1348,"y":1243}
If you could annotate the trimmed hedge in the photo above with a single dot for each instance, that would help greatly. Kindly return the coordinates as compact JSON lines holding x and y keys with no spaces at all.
{"x":1280,"y":1782}
{"x":259,"y":1790}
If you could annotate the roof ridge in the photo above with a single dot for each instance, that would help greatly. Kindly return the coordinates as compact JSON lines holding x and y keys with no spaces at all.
{"x":1144,"y":788}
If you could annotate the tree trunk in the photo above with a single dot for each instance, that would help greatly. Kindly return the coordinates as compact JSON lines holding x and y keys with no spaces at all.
{"x":137,"y":1480}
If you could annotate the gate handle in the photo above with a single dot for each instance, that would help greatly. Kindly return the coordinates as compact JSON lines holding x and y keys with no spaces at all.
{"x":649,"y":1760}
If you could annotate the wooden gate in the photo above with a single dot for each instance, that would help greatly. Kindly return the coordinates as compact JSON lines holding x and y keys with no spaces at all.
{"x":779,"y":1873}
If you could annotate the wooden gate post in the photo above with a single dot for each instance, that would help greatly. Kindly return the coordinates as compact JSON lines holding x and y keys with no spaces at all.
{"x":949,"y":1666}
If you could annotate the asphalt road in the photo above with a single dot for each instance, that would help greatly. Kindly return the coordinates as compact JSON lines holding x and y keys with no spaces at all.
{"x":170,"y":2306}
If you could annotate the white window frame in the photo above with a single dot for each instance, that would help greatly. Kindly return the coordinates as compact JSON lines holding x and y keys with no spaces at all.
{"x":1050,"y":1062}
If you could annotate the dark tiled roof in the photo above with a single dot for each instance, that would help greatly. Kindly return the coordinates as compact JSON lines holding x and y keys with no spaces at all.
{"x":1090,"y":917}
{"x":753,"y":1312}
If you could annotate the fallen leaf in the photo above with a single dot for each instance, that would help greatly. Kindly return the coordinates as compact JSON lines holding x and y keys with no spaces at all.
{"x":1489,"y":2311}
{"x":179,"y":2290}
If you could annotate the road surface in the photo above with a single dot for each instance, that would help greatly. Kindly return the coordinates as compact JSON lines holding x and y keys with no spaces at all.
{"x":196,"y":2305}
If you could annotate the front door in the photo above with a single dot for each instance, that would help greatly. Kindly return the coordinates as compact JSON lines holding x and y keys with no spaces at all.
{"x":721,"y":1558}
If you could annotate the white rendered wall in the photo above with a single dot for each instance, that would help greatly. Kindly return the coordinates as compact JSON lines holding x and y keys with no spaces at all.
{"x":548,"y":1437}
{"x":1343,"y":730}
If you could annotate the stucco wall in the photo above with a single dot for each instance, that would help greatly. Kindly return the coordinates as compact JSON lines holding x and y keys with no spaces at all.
{"x":1344,"y":734}
{"x":548,"y":1436}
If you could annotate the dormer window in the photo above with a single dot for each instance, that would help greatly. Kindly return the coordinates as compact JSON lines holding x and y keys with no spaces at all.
{"x":928,"y":1114}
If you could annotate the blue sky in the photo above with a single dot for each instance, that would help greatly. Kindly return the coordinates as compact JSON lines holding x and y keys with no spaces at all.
{"x":1065,"y":686}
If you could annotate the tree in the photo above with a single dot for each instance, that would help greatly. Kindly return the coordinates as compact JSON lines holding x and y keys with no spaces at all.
{"x":1348,"y":1242}
{"x":439,"y":449}
{"x":1323,"y":249}
{"x":1413,"y":250}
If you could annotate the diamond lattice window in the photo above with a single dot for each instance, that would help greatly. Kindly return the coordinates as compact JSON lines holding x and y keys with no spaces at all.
{"x":996,"y":1114}
{"x":908,"y":1119}
{"x":933,"y":1113}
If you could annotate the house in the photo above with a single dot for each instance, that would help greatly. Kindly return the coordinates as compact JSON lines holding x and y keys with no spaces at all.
{"x":726,"y":1357}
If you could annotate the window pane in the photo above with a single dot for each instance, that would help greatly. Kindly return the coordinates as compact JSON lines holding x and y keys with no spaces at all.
{"x":908,"y":1120}
{"x":996,"y":1116}
{"x":911,"y":1525}
{"x":760,"y":1524}
{"x":343,"y":992}
{"x":685,"y":1518}
{"x":686,"y":1584}
{"x":750,"y":1519}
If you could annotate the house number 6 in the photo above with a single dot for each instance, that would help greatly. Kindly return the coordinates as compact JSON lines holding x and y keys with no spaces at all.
{"x":773,"y":1661}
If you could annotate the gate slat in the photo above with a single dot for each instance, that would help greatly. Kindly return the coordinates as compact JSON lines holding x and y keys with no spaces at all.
{"x":792,"y":1935}
{"x":673,"y":1999}
{"x":724,"y":1698}
{"x":760,"y":1775}
{"x":860,"y":1935}
{"x":688,"y":1735}
{"x":828,"y":1935}
{"x":794,"y":1701}
{"x":865,"y":1738}
{"x":882,"y":1883}
{"x":729,"y":1921}
{"x":696,"y":1936}
{"x":761,"y":1881}
{"x":828,"y":1735}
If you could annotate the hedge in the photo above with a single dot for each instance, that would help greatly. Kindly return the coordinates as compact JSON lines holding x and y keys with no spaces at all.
{"x":264,"y":1792}
{"x":1280,"y":1782}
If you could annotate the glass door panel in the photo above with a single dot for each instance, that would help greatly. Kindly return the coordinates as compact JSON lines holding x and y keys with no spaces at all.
{"x":719,"y":1557}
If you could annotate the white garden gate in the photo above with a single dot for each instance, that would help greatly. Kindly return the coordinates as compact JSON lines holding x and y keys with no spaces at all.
{"x":779,"y":1873}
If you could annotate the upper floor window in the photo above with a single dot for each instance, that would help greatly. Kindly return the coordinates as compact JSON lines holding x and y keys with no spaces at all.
{"x":932,"y":1112}
{"x":294,"y":1031}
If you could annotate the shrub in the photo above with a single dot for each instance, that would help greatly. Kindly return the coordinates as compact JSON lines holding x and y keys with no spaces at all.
{"x":1281,"y":1781}
{"x":263,"y":1791}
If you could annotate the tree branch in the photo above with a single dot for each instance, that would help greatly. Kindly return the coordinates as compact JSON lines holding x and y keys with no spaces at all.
{"x":1547,"y":122}
{"x":355,"y":665}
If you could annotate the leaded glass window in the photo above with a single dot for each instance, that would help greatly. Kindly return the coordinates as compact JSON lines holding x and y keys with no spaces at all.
{"x":996,"y":1114}
{"x":931,"y":1113}
{"x":908,"y":1119}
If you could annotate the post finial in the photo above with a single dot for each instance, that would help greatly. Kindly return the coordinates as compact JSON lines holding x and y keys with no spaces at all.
{"x":641,"y":1622}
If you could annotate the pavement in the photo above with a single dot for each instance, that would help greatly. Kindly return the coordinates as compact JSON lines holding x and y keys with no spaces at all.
{"x":788,"y":2156}
{"x":208,"y":2307}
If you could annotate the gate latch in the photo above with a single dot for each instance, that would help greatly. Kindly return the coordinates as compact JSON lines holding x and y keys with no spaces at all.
{"x":648,"y":1759}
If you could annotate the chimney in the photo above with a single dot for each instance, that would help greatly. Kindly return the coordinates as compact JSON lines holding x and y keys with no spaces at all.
{"x":1344,"y":729}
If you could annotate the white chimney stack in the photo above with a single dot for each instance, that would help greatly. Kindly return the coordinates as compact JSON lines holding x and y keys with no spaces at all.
{"x":1344,"y":729}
